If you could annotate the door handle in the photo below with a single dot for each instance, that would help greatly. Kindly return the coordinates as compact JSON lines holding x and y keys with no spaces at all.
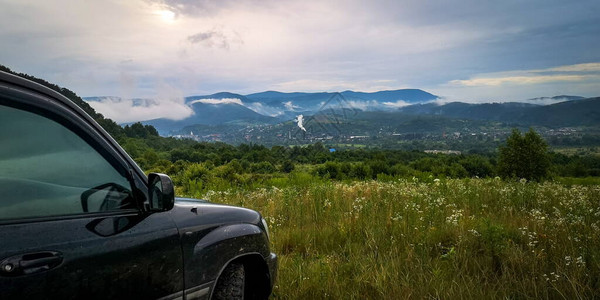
{"x":30,"y":263}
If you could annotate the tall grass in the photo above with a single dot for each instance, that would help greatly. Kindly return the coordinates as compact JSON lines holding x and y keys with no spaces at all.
{"x":441,"y":239}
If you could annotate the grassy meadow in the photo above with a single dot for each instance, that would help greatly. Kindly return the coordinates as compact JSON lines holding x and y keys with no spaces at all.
{"x":429,"y":238}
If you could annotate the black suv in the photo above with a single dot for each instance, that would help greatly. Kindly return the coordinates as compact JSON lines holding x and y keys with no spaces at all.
{"x":80,"y":220}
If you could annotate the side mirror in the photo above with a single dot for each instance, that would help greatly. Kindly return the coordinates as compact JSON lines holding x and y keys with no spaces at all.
{"x":161,"y":192}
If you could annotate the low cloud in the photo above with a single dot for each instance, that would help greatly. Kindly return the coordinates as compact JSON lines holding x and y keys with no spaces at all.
{"x":363,"y":105}
{"x":264,"y":109}
{"x":397,"y":104}
{"x":546,"y":100}
{"x":219,"y":101}
{"x":375,"y":105}
{"x":290,"y":106}
{"x":134,"y":110}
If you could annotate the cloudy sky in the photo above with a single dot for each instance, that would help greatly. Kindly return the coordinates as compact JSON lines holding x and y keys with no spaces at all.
{"x":468,"y":50}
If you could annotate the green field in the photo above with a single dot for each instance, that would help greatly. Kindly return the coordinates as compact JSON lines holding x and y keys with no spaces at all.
{"x":429,"y":239}
{"x":595,"y":151}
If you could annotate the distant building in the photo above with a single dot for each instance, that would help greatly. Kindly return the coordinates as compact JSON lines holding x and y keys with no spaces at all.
{"x":443,"y":152}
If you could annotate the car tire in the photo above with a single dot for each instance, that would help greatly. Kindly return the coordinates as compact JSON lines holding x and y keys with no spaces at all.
{"x":230,"y":285}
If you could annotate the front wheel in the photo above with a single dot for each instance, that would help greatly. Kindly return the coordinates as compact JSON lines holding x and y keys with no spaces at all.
{"x":231,"y":283}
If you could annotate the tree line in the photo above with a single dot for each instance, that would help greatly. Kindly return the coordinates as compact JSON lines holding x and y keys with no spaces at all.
{"x":522,"y":156}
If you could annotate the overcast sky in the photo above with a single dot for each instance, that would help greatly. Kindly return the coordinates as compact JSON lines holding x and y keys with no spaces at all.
{"x":463,"y":50}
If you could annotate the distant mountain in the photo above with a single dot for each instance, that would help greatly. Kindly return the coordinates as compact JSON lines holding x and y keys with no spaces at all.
{"x":483,"y":111}
{"x":313,"y":101}
{"x":272,"y":107}
{"x":287,"y":101}
{"x":584,"y":112}
{"x":211,"y":114}
{"x":406,"y":95}
{"x":274,"y":95}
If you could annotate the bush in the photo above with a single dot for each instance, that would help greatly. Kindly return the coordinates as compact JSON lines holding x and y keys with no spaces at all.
{"x":456,"y":170}
{"x":379,"y":167}
{"x":478,"y":166}
{"x":330,"y":170}
{"x":264,"y":167}
{"x":287,"y":166}
{"x":360,"y":171}
{"x":196,"y":171}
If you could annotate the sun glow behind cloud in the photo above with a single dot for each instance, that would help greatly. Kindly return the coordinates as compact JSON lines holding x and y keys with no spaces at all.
{"x":166,"y":15}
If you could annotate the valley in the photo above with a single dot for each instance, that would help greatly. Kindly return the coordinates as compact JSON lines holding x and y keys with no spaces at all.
{"x":351,"y":119}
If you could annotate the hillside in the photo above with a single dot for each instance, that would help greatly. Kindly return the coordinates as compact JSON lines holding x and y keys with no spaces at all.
{"x":406,"y":95}
{"x":585,"y":112}
{"x":314,"y":99}
{"x":211,"y":114}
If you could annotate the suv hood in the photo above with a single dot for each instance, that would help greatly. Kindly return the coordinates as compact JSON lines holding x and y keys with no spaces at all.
{"x":197,"y":214}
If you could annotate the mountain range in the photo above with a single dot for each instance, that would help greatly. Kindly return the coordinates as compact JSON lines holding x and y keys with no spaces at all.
{"x":582,"y":112}
{"x":272,"y":107}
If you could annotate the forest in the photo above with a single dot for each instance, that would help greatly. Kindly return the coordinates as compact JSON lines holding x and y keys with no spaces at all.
{"x":218,"y":164}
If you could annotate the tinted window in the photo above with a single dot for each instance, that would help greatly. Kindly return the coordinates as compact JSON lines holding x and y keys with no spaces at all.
{"x":46,"y":169}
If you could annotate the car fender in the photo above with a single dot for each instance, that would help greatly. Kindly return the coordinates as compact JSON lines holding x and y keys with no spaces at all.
{"x":219,"y":247}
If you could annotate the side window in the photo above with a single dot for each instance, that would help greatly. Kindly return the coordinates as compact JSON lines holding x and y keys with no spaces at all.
{"x":48,"y":170}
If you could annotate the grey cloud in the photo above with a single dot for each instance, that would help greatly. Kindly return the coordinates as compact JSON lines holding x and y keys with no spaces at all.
{"x":197,"y":8}
{"x":210,"y":39}
{"x":182,"y":7}
{"x":215,"y":38}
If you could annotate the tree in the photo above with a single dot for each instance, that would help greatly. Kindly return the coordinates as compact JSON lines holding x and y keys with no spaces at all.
{"x":477,"y":166}
{"x":287,"y":166}
{"x":139,"y":130}
{"x":330,"y":170}
{"x":524,"y":156}
{"x":360,"y":171}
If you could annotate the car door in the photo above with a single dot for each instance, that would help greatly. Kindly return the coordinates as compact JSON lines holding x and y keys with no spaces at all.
{"x":72,"y":223}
